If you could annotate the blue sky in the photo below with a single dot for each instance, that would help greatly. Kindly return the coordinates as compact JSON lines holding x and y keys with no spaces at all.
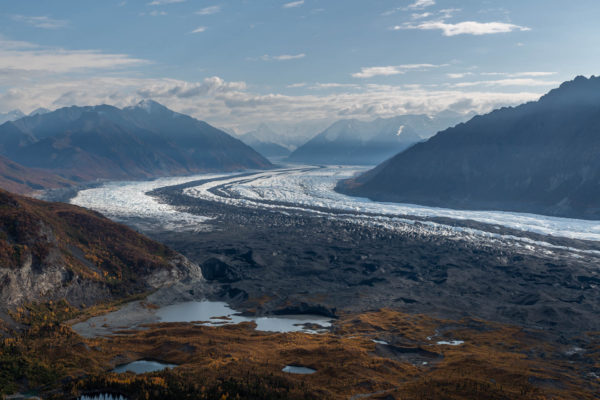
{"x":237,"y":63}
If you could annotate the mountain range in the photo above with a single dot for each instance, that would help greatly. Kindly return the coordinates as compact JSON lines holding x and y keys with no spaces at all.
{"x":104,"y":142}
{"x":539,"y":157}
{"x":17,"y":114}
{"x":11,"y":116}
{"x":351,"y":141}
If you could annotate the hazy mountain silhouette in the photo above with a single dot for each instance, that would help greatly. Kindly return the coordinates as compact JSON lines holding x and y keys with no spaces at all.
{"x":539,"y":157}
{"x":261,"y":140}
{"x":360,"y":142}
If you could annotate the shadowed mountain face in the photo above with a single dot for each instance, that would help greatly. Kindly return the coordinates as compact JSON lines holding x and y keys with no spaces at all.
{"x":540,"y":157}
{"x":360,"y":142}
{"x":147,"y":140}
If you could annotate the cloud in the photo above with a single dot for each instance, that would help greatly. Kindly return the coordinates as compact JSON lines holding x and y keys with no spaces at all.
{"x":283,"y":57}
{"x":209,"y":10}
{"x":293,"y":4}
{"x":448,"y":13}
{"x":369,"y":72}
{"x":420,"y":4}
{"x":43,"y":22}
{"x":21,"y":58}
{"x":465,"y":28}
{"x":507,"y":82}
{"x":421,"y":15}
{"x":181,"y":89}
{"x":163,"y":2}
{"x":231,"y":105}
{"x":199,"y":29}
{"x":296,"y":85}
{"x":519,"y":74}
{"x":459,"y":75}
{"x":319,"y":86}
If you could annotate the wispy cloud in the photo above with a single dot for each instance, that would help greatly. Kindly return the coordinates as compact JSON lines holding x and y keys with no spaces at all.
{"x":163,"y":2}
{"x":209,"y":10}
{"x":199,"y":29}
{"x":458,"y":75}
{"x":319,"y":86}
{"x":296,"y":85}
{"x":283,"y":57}
{"x":464,"y":28}
{"x":43,"y":21}
{"x":420,"y":4}
{"x":520,"y":74}
{"x":27,"y":57}
{"x":370,"y":72}
{"x":421,"y":15}
{"x":512,"y":78}
{"x":507,"y":82}
{"x":183,"y":89}
{"x":293,"y":4}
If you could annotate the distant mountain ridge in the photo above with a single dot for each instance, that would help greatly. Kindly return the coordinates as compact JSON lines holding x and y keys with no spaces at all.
{"x":353,"y":141}
{"x":262,"y":139}
{"x":11,"y":116}
{"x":540,"y":157}
{"x":105,"y":142}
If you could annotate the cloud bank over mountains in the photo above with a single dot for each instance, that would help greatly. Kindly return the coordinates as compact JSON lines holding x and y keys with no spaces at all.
{"x":237,"y":67}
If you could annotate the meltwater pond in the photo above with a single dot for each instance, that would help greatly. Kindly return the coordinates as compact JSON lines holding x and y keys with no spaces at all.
{"x":143,"y":366}
{"x":219,"y":313}
{"x":294,"y":369}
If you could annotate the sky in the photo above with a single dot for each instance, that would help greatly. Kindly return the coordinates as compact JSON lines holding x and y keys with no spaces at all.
{"x":239,"y":63}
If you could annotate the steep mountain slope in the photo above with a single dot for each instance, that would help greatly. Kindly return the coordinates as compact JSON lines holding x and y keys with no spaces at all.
{"x":539,"y":157}
{"x":51,"y":251}
{"x":262,"y":140}
{"x":19,"y":179}
{"x":359,"y":142}
{"x":147,"y":140}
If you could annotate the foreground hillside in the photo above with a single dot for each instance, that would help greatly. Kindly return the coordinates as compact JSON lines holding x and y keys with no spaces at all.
{"x":356,"y":142}
{"x":142,"y":141}
{"x":540,"y":157}
{"x":56,"y":251}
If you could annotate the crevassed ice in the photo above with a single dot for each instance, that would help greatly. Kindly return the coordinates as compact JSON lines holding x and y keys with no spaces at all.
{"x":305,"y":186}
{"x":128,"y":199}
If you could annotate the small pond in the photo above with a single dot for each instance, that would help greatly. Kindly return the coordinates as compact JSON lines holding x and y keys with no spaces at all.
{"x":143,"y":366}
{"x":294,"y":369}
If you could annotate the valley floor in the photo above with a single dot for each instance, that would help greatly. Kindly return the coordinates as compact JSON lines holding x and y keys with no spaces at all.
{"x":461,"y":304}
